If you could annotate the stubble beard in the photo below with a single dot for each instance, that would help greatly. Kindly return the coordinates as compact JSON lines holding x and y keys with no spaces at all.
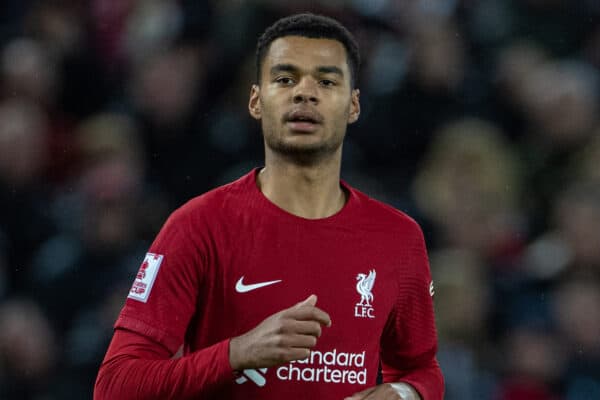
{"x":303,"y":154}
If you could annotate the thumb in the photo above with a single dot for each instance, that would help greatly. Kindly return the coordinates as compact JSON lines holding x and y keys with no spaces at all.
{"x":309,"y":301}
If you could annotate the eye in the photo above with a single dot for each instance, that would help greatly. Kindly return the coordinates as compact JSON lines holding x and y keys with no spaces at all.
{"x":284,"y":80}
{"x":326,"y":82}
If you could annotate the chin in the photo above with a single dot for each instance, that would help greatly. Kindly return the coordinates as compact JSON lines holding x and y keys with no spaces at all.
{"x":304,"y":153}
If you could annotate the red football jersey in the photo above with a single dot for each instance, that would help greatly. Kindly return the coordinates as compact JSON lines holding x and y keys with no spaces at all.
{"x":230,"y":258}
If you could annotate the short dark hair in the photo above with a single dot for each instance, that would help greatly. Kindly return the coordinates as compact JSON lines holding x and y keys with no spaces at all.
{"x":310,"y":26}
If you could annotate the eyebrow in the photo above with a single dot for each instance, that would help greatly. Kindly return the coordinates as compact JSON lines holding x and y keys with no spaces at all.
{"x":324,"y":69}
{"x":330,"y":69}
{"x":283,"y":68}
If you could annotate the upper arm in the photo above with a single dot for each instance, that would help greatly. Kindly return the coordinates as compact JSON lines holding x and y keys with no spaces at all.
{"x":409,"y":342}
{"x":171,"y":286}
{"x":410,"y":336}
{"x":129,"y":344}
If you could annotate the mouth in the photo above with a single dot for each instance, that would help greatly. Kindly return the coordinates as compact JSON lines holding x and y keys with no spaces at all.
{"x":303,"y":120}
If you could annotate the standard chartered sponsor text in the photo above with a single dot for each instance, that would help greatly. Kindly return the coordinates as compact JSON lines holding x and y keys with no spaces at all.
{"x":330,"y":367}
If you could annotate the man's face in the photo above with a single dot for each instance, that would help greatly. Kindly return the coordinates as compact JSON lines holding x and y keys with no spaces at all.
{"x":304,"y":100}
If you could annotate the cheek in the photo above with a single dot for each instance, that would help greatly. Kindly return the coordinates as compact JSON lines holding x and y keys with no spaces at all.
{"x":268,"y":108}
{"x":269,"y":116}
{"x":342,"y":113}
{"x":269,"y":119}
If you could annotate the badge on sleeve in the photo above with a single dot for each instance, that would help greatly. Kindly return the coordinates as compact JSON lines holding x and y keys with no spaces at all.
{"x":145,"y":277}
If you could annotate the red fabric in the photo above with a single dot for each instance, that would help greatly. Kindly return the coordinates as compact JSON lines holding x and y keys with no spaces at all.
{"x":137,"y":368}
{"x":234,"y":236}
{"x":411,"y":334}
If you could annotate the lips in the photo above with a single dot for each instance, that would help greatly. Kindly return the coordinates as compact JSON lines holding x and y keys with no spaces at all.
{"x":303,"y":119}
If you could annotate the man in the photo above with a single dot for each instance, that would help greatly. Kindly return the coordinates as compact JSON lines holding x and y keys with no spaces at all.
{"x":235,"y":274}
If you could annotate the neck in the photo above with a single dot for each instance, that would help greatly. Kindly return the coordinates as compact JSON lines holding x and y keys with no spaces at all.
{"x":309,"y":191}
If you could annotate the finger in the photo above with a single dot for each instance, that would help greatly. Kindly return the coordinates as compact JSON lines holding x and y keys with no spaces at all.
{"x":309,"y":313}
{"x":305,"y":328}
{"x":301,"y":341}
{"x":297,"y":353}
{"x":309,"y":301}
{"x":361,"y":395}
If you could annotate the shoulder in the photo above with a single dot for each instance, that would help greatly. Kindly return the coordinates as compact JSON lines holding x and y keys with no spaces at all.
{"x":208,"y":216}
{"x":384,"y":214}
{"x":230,"y":196}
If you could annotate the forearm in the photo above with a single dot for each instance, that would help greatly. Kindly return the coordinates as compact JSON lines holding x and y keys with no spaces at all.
{"x":406,"y":391}
{"x":426,"y":380}
{"x":148,"y":373}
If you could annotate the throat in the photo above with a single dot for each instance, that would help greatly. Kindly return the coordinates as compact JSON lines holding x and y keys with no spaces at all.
{"x":302,"y":196}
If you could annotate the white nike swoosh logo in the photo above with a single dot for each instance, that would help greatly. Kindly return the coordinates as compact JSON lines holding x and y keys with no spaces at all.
{"x":241,"y":288}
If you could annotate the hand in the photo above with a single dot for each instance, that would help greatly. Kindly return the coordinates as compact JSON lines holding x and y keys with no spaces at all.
{"x":283,"y":337}
{"x":388,"y":391}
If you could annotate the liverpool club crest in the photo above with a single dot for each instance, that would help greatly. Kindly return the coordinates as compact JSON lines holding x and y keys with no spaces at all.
{"x":364,"y":287}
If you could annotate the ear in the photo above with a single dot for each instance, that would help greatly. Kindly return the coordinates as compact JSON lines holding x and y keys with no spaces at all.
{"x":254,"y":106}
{"x":354,"y":106}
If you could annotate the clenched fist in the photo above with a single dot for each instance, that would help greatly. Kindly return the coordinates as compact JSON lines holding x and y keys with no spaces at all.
{"x":285,"y":336}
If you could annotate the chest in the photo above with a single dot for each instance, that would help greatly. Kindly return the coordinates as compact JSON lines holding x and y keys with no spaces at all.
{"x":260,"y":271}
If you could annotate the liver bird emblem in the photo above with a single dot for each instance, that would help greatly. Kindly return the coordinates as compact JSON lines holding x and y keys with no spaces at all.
{"x":364,"y":286}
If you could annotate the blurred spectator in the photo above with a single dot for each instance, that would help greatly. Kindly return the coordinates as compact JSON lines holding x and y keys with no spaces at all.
{"x":412,"y":94}
{"x":469,"y":186}
{"x":32,"y":73}
{"x":23,"y":129}
{"x":152,"y":26}
{"x":166,"y":85}
{"x":109,"y":21}
{"x":578,"y":217}
{"x":561,"y":101}
{"x":27,"y":351}
{"x":516,"y":63}
{"x":570,"y":247}
{"x":23,"y":193}
{"x":534,"y":363}
{"x":578,"y":317}
{"x":97,"y":251}
{"x":430,"y":43}
{"x":585,"y":161}
{"x":460,"y":280}
{"x":29,"y":71}
{"x":168,"y":89}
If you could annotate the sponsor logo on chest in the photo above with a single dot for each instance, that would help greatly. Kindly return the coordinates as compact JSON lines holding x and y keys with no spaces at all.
{"x":332,"y":366}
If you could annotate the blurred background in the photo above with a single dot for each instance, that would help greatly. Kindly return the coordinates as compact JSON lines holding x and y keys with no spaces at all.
{"x":479,"y":119}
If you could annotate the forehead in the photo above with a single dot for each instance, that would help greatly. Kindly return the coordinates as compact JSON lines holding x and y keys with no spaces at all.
{"x":306,"y":52}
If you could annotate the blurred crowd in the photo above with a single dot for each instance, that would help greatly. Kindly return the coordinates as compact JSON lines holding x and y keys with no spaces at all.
{"x":479,"y":119}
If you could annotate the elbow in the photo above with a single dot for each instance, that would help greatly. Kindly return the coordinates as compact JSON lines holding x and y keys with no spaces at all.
{"x":105,"y":380}
{"x":100,"y":387}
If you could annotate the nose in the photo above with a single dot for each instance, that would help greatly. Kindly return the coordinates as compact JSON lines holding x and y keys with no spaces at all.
{"x":306,"y":92}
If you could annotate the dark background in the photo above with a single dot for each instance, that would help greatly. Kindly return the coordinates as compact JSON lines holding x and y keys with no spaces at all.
{"x":479,"y":119}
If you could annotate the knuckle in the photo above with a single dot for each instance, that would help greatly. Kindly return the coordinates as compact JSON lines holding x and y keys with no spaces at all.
{"x":281,"y":355}
{"x":281,"y":326}
{"x":280,"y":341}
{"x":311,"y":328}
{"x":303,"y":353}
{"x":318,"y":330}
{"x":279,"y":329}
{"x":294,"y":354}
